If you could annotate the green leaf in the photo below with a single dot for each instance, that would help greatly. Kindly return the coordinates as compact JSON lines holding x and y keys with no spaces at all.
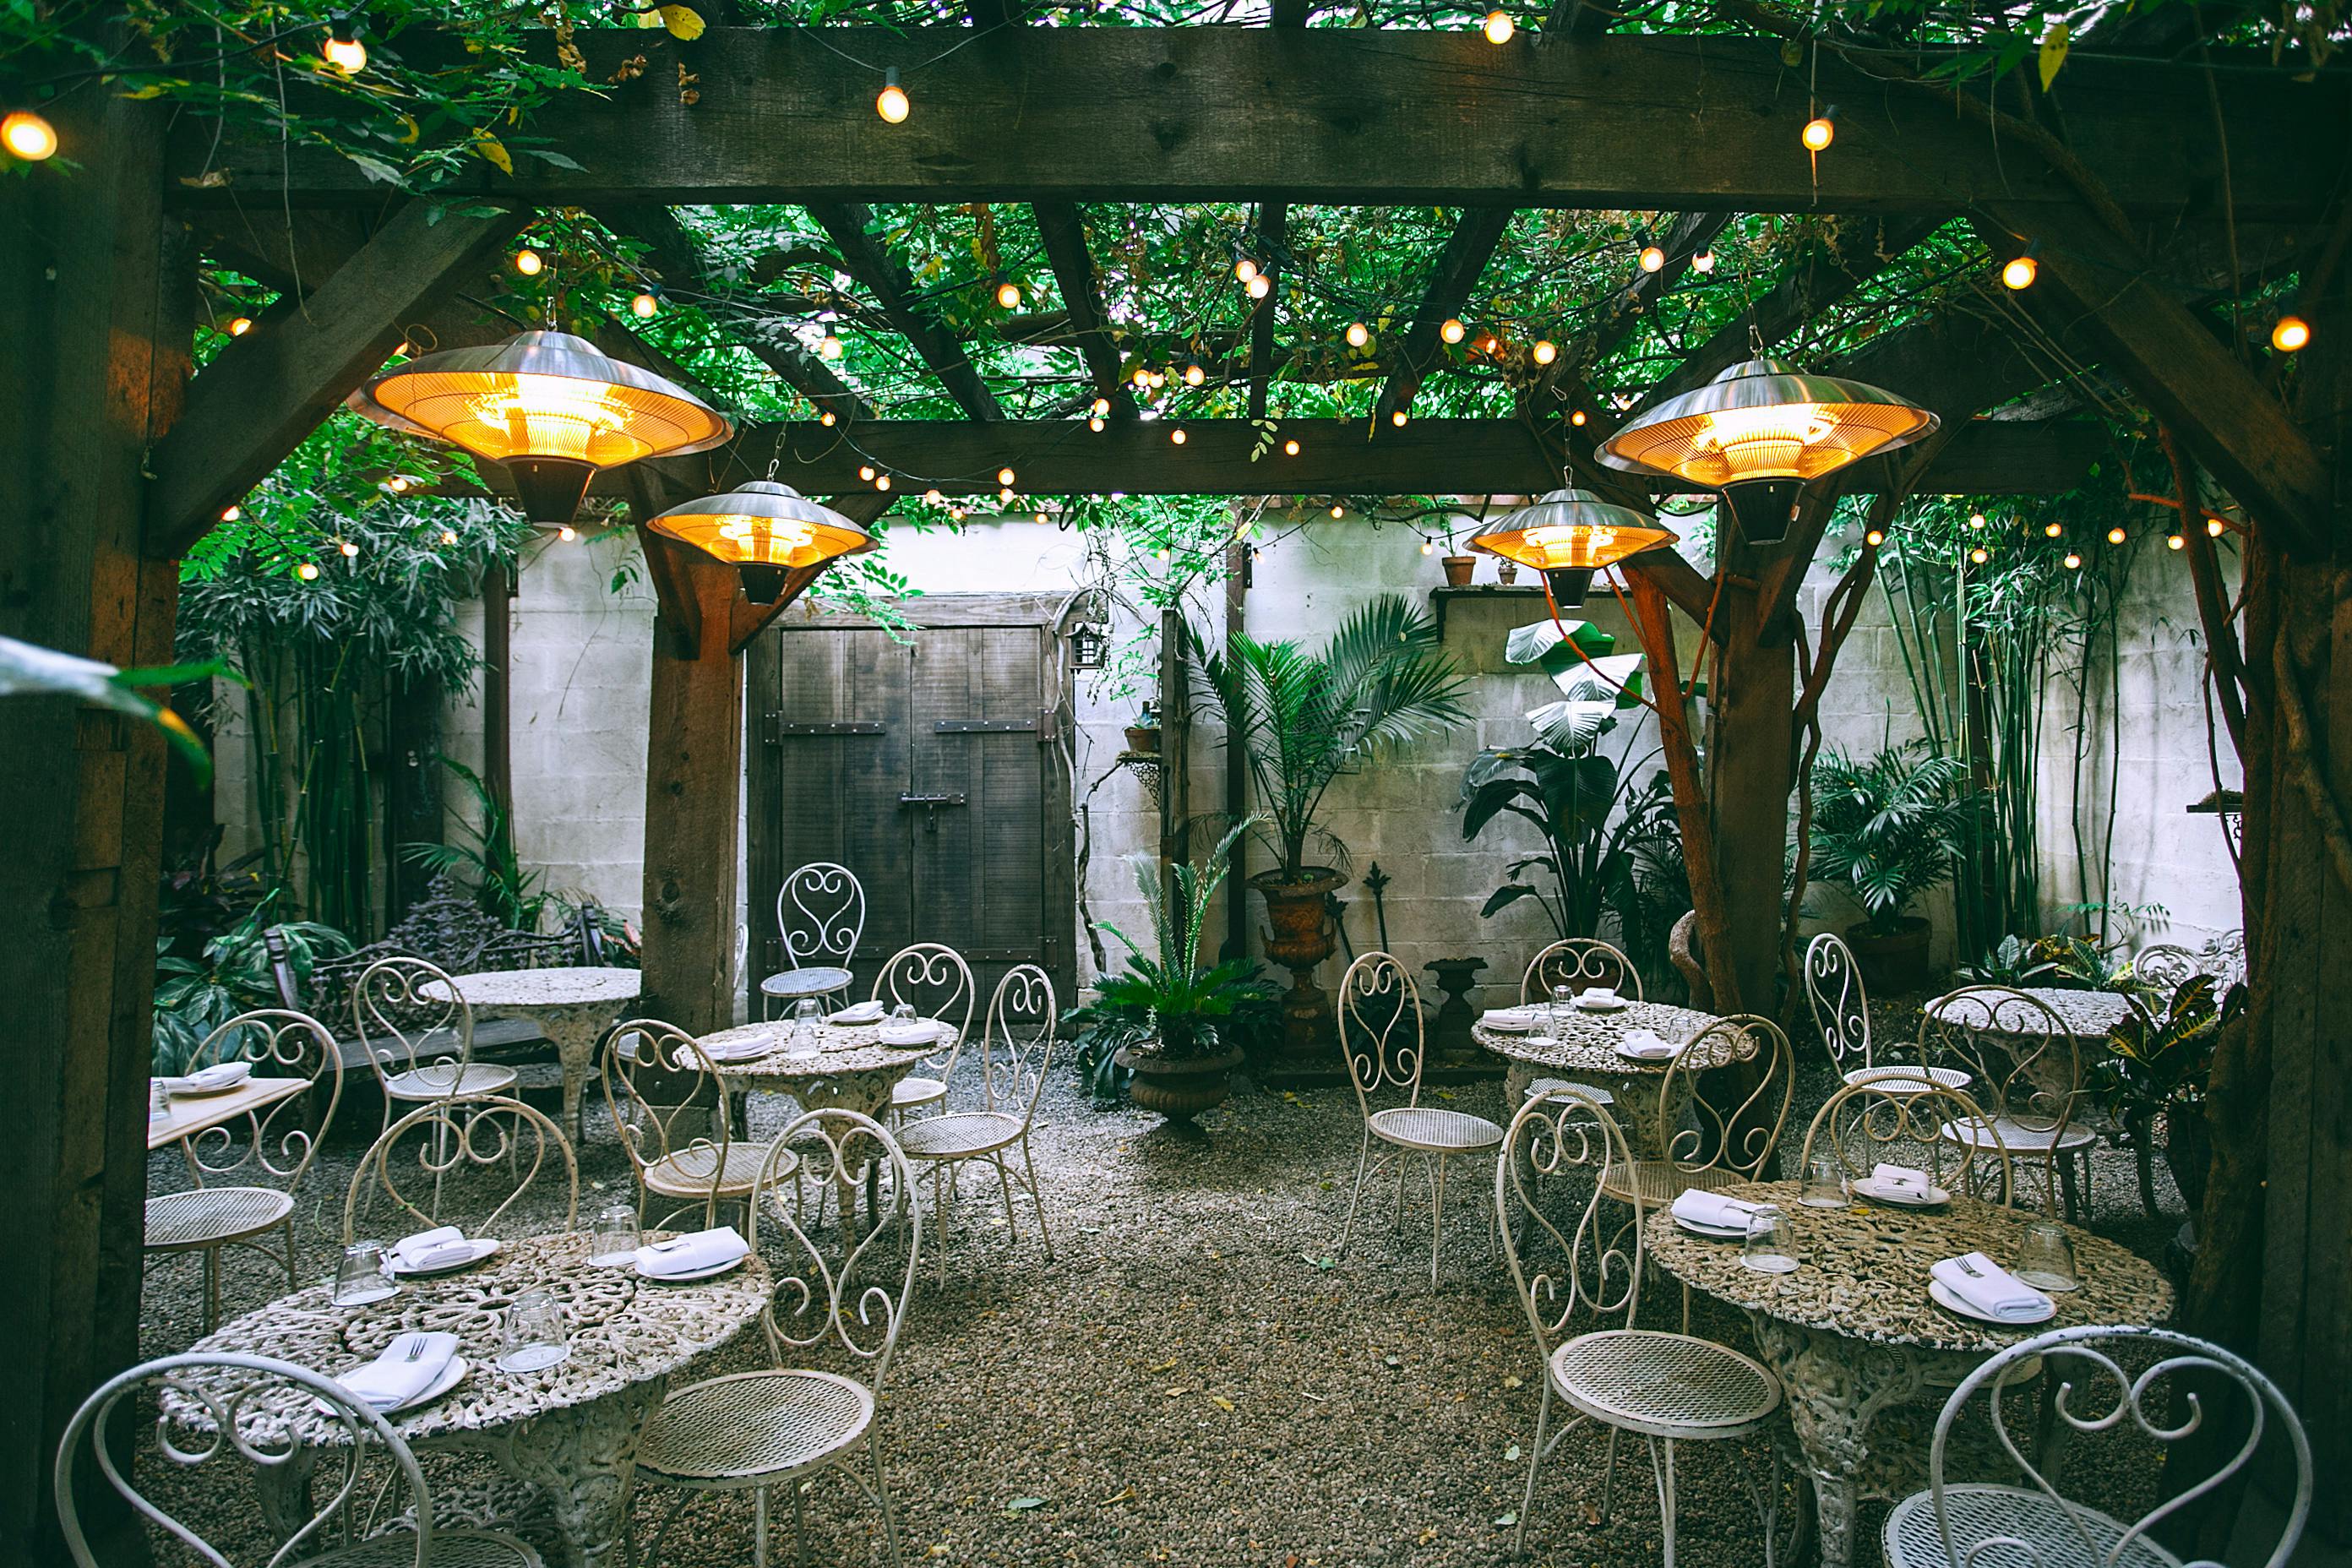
{"x":682,"y":21}
{"x":375,"y":169}
{"x":1022,"y":1504}
{"x":560,"y":161}
{"x":2053,"y":53}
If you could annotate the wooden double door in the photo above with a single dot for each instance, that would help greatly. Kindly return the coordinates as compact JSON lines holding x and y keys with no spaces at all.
{"x":934,"y":767}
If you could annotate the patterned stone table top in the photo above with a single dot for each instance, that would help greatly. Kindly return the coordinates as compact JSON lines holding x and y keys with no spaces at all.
{"x":574,"y":987}
{"x":2090,"y":1014}
{"x":1591,"y":1043}
{"x":1865,"y":1271}
{"x":843,"y":1049}
{"x":624,"y":1330}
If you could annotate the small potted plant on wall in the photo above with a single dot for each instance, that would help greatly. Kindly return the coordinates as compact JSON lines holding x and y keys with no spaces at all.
{"x":1885,"y":830}
{"x":1143,"y":735}
{"x":1458,"y":567}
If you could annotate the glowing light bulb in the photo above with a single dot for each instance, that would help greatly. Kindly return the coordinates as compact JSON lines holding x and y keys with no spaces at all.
{"x":828,"y":347}
{"x":826,"y":418}
{"x":2174,"y":542}
{"x":1008,"y":294}
{"x":2290,"y":334}
{"x":1290,"y":447}
{"x":1577,"y":417}
{"x":1703,"y":261}
{"x":1095,"y":423}
{"x":1875,"y":537}
{"x":2073,"y":561}
{"x":528,"y":262}
{"x":1358,"y":335}
{"x":1159,"y":380}
{"x":350,"y":549}
{"x":1451,"y":331}
{"x":2115,"y":536}
{"x":2214,"y":528}
{"x":1652,"y":258}
{"x":865,"y":473}
{"x":1004,"y":497}
{"x":881,"y":481}
{"x":644,"y":304}
{"x":2052,"y":530}
{"x":1260,"y":286}
{"x":1545,"y":351}
{"x":28,"y":135}
{"x":343,"y":49}
{"x":1102,"y":407}
{"x":891,"y":103}
{"x":1244,"y":270}
{"x":397,"y":484}
{"x":448,"y":536}
{"x":307,"y":571}
{"x":1980,"y":555}
{"x":239,"y":325}
{"x":1193,"y":374}
{"x":1499,"y":28}
{"x":1041,"y":514}
{"x":1427,"y":548}
{"x":2020,"y":271}
{"x":1142,"y":377}
{"x":933,"y":496}
{"x":1004,"y":476}
{"x":1176,"y":434}
{"x":567,"y":533}
{"x":1339,"y":511}
{"x":1820,"y":131}
{"x":1161,"y":553}
{"x":1398,"y":418}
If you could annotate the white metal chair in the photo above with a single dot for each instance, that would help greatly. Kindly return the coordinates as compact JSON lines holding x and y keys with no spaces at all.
{"x":1840,"y":1007}
{"x":2134,"y":1380}
{"x":764,"y":1431}
{"x":1709,"y":1146}
{"x":2167,"y":966}
{"x":1016,"y":1046}
{"x":277,"y":1143}
{"x":230,"y":1408}
{"x":670,"y":1110}
{"x":1562,"y":1155}
{"x":2031,"y":1066}
{"x":1899,"y":1123}
{"x":1578,"y":963}
{"x":455,"y":1138}
{"x":820,"y":916}
{"x":1378,"y":1002}
{"x":418,"y":1034}
{"x":933,"y":979}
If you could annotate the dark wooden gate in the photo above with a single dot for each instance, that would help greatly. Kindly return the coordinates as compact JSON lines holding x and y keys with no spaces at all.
{"x":934,"y":769}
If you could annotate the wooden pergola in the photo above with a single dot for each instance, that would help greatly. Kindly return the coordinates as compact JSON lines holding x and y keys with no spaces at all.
{"x":120,"y":459}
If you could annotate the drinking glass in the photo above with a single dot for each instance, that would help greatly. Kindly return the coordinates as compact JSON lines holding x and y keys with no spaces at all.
{"x":2046,"y":1257}
{"x":1766,"y":1250}
{"x":158,"y":1100}
{"x":804,"y":1040}
{"x":1563,"y":1003}
{"x":614,"y":1240}
{"x":535,"y":1338}
{"x":1824,"y":1185}
{"x":364,"y":1276}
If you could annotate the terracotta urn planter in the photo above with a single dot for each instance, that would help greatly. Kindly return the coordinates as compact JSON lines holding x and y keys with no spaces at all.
{"x":1458,"y":569}
{"x":1178,"y":1088}
{"x":1892,"y":960}
{"x":1299,"y":937}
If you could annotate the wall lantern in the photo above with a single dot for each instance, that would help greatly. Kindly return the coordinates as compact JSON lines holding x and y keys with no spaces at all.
{"x":552,"y":407}
{"x":1089,"y":645}
{"x":1760,"y":430}
{"x":1567,"y":536}
{"x":766,"y":531}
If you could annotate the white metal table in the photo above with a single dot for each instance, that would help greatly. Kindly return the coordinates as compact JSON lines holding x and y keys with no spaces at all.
{"x":1588,"y":1050}
{"x":574,"y":1005}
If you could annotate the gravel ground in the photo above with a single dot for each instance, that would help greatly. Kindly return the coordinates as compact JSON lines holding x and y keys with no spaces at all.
{"x":1196,"y":1379}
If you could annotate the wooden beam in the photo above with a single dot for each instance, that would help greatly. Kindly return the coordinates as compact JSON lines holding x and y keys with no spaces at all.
{"x":1333,"y":115}
{"x":866,"y":258}
{"x":1063,"y":230}
{"x":1466,"y":250}
{"x":271,"y":388}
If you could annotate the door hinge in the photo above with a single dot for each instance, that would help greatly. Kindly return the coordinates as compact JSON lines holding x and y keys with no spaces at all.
{"x":982,"y":726}
{"x":778,"y":727}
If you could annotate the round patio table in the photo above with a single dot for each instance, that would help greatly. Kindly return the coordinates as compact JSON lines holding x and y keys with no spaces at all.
{"x":2090,"y":1014}
{"x":574,"y":1006}
{"x":1588,"y":1050}
{"x":1853,"y":1331}
{"x":570,"y":1431}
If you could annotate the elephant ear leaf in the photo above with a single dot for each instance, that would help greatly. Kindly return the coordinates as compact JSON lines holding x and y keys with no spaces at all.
{"x":29,"y":670}
{"x":1506,"y":896}
{"x":1540,"y":643}
{"x":1572,"y":726}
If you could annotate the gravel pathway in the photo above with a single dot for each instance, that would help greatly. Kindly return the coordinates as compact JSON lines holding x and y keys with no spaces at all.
{"x":1196,"y":1380}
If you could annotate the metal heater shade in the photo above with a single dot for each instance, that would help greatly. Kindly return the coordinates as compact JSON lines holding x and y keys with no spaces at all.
{"x":765,"y":528}
{"x":1571,"y":530}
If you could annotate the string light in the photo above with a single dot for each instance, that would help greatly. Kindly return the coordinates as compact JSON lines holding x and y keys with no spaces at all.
{"x":1339,"y":511}
{"x":1545,"y":351}
{"x":528,"y":261}
{"x":1977,"y":521}
{"x":1176,"y":434}
{"x":881,"y":481}
{"x":891,"y":103}
{"x":1041,"y":514}
{"x":828,"y":346}
{"x":1260,"y":286}
{"x":1161,"y":553}
{"x":397,"y":484}
{"x":1980,"y":555}
{"x":1499,"y":28}
{"x":1577,"y":417}
{"x":826,"y":418}
{"x":2073,"y":561}
{"x":1008,"y":294}
{"x":1452,"y":331}
{"x":1358,"y":335}
{"x":2213,"y":528}
{"x":1703,"y":261}
{"x":1398,"y":418}
{"x":1143,"y":378}
{"x":2052,"y":530}
{"x":1095,"y":423}
{"x":307,"y":571}
{"x":448,"y":536}
{"x":1005,"y":477}
{"x":933,"y":496}
{"x":28,"y":135}
{"x":231,"y":513}
{"x":1427,"y":548}
{"x":343,"y":49}
{"x":865,"y":473}
{"x":239,"y":325}
{"x":1245,"y":270}
{"x":2115,"y":535}
{"x":1290,"y":447}
{"x":1652,"y":258}
{"x":2290,"y":333}
{"x":1194,"y":375}
{"x":1875,"y":537}
{"x":567,"y":533}
{"x":644,"y":304}
{"x":1102,"y":407}
{"x":2023,"y":268}
{"x":1820,"y":131}
{"x":2174,"y":542}
{"x":350,"y":547}
{"x":1004,"y":497}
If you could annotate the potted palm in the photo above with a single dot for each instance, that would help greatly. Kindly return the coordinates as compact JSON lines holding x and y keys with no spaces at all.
{"x":1302,"y":717}
{"x":1176,"y":1017}
{"x":1887,"y":828}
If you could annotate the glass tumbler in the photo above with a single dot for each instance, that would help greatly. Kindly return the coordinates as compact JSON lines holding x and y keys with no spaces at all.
{"x":1563,"y":1004}
{"x":364,"y":1275}
{"x":803,"y":1037}
{"x":614,"y":1241}
{"x":2046,"y":1257}
{"x":535,"y":1339}
{"x":1824,"y":1185}
{"x":1768,"y":1249}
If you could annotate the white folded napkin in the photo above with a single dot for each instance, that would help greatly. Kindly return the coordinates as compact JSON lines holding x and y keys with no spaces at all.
{"x":435,"y":1248}
{"x":861,"y":1012}
{"x":1509,"y":1018}
{"x":1992,"y":1290}
{"x":408,"y":1366}
{"x":1598,"y":996}
{"x":1646,"y":1046}
{"x":738,"y":1050}
{"x":220,"y":1075}
{"x":1714,"y":1210}
{"x":922,"y":1031}
{"x":690,"y":1254}
{"x":1900,"y":1179}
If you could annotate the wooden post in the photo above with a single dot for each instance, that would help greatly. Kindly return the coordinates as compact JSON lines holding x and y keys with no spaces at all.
{"x":498,"y":682}
{"x":1750,"y":758}
{"x":413,"y":809}
{"x":96,"y":310}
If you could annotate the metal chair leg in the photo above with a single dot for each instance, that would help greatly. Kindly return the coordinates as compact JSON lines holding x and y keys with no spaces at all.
{"x":1535,"y":1463}
{"x":1436,"y":1217}
{"x":882,"y":1496}
{"x":1363,"y":1160}
{"x":1036,"y":1198}
{"x":1005,"y":1189}
{"x":1665,"y":1477}
{"x":1609,"y":1474}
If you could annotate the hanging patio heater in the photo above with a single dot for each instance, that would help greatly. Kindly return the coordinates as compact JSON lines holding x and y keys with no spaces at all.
{"x":552,"y":407}
{"x":1568,"y":535}
{"x":1758,"y":432}
{"x":764,"y":530}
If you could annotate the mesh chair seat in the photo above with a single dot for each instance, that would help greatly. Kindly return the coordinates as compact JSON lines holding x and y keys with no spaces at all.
{"x":1657,"y":1183}
{"x":450,"y":1548}
{"x":964,"y":1133}
{"x":1904,"y":1077}
{"x":434,"y":1082}
{"x":817,"y":980}
{"x":912,"y":1091}
{"x":2018,"y":1138}
{"x":2049,"y":1535}
{"x":1439,"y":1132}
{"x":1668,"y":1385}
{"x":1545,"y":1088}
{"x":210,"y":1216}
{"x":754,"y":1427}
{"x":688,"y":1173}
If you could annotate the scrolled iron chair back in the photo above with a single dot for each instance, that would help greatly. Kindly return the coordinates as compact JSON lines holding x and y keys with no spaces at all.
{"x":1380,"y":1029}
{"x":410,"y":1018}
{"x":1578,"y":963}
{"x":667,"y":1105}
{"x":821,"y":915}
{"x":1560,"y":1151}
{"x":854,"y":1298}
{"x":282,"y":1139}
{"x":1738,"y":1142}
{"x":2027,"y":1061}
{"x":2086,"y":1366}
{"x":2226,"y":958}
{"x":255,"y":1414}
{"x":2166,"y":965}
{"x":1841,"y":1006}
{"x":932,"y":978}
{"x":1863,"y":1125}
{"x":1018,"y":1044}
{"x":453,"y":1137}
